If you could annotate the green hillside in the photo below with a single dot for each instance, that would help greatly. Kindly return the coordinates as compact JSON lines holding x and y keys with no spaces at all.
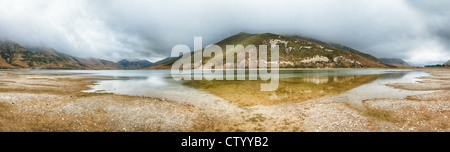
{"x":297,"y":52}
{"x":14,"y":56}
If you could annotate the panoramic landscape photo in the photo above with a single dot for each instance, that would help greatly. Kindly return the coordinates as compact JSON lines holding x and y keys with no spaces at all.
{"x":224,"y":66}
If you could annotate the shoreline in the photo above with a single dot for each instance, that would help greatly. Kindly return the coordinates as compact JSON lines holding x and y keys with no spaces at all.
{"x":45,"y":102}
{"x":399,"y":68}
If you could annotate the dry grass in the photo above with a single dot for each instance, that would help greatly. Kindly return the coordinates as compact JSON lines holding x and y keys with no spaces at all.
{"x":382,"y":115}
{"x":426,"y":112}
{"x":408,"y":115}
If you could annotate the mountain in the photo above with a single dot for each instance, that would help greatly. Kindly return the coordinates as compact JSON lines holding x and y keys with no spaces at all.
{"x":98,"y":64}
{"x":14,"y":56}
{"x":339,"y":46}
{"x":394,"y":61}
{"x":136,"y":64}
{"x":162,"y":64}
{"x":447,"y":63}
{"x":165,"y":60}
{"x":365,"y":55}
{"x":298,"y":52}
{"x":399,"y":63}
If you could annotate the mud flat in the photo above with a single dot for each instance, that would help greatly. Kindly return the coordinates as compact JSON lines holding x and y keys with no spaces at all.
{"x":56,"y":102}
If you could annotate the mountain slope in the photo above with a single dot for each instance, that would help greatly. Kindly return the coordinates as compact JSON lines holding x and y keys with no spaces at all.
{"x":365,"y":55}
{"x":14,"y":56}
{"x":51,"y":59}
{"x":447,"y":63}
{"x":302,"y":53}
{"x":165,"y":60}
{"x":399,"y":63}
{"x":394,"y":61}
{"x":165,"y":63}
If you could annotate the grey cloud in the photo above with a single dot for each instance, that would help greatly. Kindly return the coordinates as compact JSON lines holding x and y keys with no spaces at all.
{"x":413,"y":30}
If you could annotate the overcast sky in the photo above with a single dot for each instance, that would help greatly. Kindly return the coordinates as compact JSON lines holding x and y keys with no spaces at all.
{"x":416,"y":30}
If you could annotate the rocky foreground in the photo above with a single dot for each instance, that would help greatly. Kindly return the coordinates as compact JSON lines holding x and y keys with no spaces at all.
{"x":55,"y":102}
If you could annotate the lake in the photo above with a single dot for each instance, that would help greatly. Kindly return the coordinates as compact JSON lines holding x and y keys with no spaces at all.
{"x":340,"y":85}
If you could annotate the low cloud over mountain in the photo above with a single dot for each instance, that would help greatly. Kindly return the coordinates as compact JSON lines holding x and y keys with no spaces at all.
{"x":416,"y":31}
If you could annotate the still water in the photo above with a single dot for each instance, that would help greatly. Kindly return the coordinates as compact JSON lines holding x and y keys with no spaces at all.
{"x":294,"y":86}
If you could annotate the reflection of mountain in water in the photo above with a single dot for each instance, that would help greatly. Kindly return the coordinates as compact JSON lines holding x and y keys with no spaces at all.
{"x":294,"y":89}
{"x":326,"y":79}
{"x":316,"y":80}
{"x":394,"y":75}
{"x":133,"y":77}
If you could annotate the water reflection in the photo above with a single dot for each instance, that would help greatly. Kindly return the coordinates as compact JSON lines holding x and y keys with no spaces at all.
{"x":394,"y":76}
{"x":294,"y":86}
{"x":378,"y":89}
{"x":292,"y":89}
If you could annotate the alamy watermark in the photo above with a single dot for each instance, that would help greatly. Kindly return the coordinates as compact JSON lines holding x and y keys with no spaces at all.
{"x":250,"y":59}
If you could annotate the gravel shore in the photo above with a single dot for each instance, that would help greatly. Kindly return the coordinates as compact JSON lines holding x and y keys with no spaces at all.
{"x":55,"y":102}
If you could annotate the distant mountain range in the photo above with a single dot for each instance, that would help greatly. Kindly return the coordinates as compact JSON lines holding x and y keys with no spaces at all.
{"x":134,"y":64}
{"x":162,"y":64}
{"x":394,"y":61}
{"x":399,"y":63}
{"x":297,"y":52}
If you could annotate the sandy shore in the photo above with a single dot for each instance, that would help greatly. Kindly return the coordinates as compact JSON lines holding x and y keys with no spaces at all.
{"x":54,"y":102}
